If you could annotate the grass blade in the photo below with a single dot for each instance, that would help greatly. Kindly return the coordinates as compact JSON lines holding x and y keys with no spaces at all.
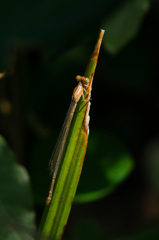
{"x":56,"y":214}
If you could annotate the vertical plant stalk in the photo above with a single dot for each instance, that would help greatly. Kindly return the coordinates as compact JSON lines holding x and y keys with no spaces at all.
{"x":56,"y":214}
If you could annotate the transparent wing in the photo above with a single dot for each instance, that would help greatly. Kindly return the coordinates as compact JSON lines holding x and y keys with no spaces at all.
{"x":61,"y":141}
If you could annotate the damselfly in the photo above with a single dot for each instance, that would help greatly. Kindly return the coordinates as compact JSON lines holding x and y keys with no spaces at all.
{"x":61,"y":142}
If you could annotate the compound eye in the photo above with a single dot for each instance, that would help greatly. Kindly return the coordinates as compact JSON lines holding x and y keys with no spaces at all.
{"x":87,"y":80}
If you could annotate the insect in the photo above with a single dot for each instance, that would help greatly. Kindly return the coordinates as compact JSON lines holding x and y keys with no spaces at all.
{"x":61,"y":142}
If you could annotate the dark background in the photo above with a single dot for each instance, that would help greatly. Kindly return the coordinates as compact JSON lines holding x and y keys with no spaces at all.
{"x":44,"y":45}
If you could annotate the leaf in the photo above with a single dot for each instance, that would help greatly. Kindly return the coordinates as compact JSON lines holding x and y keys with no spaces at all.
{"x":107,"y":164}
{"x":124,"y":24}
{"x":56,"y":214}
{"x":16,"y":216}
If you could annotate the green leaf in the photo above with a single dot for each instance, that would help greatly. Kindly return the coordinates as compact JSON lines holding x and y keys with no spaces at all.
{"x":16,"y":216}
{"x":107,"y":164}
{"x":124,"y":24}
{"x":56,"y":214}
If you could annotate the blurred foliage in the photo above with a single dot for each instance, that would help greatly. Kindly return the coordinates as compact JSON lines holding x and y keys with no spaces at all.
{"x":16,"y":216}
{"x":43,"y":46}
{"x":49,"y":23}
{"x":107,"y":164}
{"x":124,"y":24}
